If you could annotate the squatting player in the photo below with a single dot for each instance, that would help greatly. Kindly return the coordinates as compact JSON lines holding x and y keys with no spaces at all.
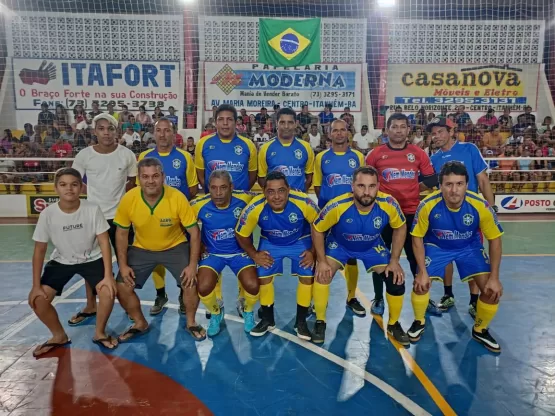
{"x":158,"y":213}
{"x":353,"y":223}
{"x":180,"y":174}
{"x":219,"y":211}
{"x":442,"y":132}
{"x":401,"y":166}
{"x":284,"y":217}
{"x":79,"y":233}
{"x":445,"y":230}
{"x":333,"y":175}
{"x":287,"y":154}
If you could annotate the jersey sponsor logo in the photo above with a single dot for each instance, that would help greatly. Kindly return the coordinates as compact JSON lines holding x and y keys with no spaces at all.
{"x":238,"y":150}
{"x":327,"y":209}
{"x":246,"y":212}
{"x":511,"y":203}
{"x":337,"y":179}
{"x":176,"y":163}
{"x":223,"y":165}
{"x":312,"y":204}
{"x":221,"y":234}
{"x":299,"y":154}
{"x":392,"y":174}
{"x":173,"y":181}
{"x":452,"y":234}
{"x":166,"y":222}
{"x":377,"y":222}
{"x":282,"y":233}
{"x":411,"y":158}
{"x":468,"y":219}
{"x":289,"y":170}
{"x":360,"y":237}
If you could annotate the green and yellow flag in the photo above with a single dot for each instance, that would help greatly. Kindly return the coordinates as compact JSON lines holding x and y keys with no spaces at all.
{"x":289,"y":42}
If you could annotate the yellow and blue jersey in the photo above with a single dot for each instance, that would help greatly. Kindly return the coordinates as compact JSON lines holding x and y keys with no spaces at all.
{"x":466,"y":153}
{"x":218,"y":224}
{"x":178,"y":167}
{"x":355,"y":230}
{"x":280,"y":228}
{"x":237,"y":156}
{"x":455,"y":229}
{"x":294,"y":160}
{"x":333,"y":173}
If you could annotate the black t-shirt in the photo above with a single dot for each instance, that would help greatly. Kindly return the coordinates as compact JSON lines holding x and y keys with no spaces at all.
{"x":46,"y":118}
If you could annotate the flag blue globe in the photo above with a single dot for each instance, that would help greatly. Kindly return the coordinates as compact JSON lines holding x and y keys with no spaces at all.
{"x":289,"y":43}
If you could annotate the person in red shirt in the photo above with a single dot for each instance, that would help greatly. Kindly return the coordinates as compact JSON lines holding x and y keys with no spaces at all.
{"x":178,"y":138}
{"x":402,"y":167}
{"x":62,"y":148}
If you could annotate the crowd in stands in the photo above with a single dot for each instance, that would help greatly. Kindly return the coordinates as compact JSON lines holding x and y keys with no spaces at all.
{"x":57,"y":135}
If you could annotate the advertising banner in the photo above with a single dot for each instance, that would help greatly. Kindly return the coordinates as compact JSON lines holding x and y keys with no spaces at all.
{"x":37,"y":203}
{"x":477,"y":87}
{"x":522,"y":203}
{"x":73,"y":82}
{"x":252,"y":86}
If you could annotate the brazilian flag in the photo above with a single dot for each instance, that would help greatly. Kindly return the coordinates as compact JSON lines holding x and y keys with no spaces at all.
{"x":289,"y":42}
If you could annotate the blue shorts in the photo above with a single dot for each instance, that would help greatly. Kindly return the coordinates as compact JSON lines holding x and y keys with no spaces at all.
{"x":279,"y":253}
{"x":217,"y":263}
{"x":375,"y":257}
{"x":470,"y":261}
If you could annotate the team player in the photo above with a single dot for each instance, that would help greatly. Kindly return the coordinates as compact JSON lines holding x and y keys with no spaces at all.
{"x":287,"y":154}
{"x":218,"y":212}
{"x":333,"y":174}
{"x":79,"y":233}
{"x":447,"y":229}
{"x":284,"y":217}
{"x":180,"y":174}
{"x":442,"y":132}
{"x":225,"y":150}
{"x":401,"y":166}
{"x":353,"y":223}
{"x":111,"y":170}
{"x":158,"y":213}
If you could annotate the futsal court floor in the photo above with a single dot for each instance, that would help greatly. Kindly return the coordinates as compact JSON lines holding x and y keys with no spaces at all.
{"x":358,"y":371}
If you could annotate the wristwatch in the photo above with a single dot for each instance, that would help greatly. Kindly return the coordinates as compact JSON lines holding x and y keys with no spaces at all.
{"x":495,"y":208}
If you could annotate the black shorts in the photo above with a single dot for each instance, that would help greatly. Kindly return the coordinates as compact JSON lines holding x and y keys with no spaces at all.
{"x":56,"y":275}
{"x":112,"y":235}
{"x":387,"y":235}
{"x":143,"y":262}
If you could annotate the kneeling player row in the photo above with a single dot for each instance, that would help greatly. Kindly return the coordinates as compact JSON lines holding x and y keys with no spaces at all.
{"x":349,"y":227}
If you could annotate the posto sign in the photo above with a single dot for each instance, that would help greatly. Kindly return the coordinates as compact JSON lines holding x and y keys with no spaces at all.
{"x":532,"y":203}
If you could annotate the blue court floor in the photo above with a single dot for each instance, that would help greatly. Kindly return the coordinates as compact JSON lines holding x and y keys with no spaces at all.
{"x":357,"y":371}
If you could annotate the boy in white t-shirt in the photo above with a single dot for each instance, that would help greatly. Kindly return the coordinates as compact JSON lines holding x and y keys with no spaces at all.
{"x":79,"y":234}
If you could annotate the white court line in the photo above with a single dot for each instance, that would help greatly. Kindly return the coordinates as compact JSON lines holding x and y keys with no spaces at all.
{"x":396,"y":395}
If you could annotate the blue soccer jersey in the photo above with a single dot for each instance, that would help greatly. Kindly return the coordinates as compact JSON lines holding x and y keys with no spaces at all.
{"x":455,"y":230}
{"x":237,"y":156}
{"x":279,"y":228}
{"x":218,"y":224}
{"x":466,"y":153}
{"x":178,"y":166}
{"x":294,"y":160}
{"x":333,"y":173}
{"x":355,"y":230}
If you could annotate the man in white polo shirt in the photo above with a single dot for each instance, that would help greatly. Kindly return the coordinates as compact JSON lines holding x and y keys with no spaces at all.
{"x":110,"y":170}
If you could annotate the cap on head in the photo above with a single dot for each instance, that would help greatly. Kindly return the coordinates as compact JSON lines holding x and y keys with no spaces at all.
{"x":107,"y":117}
{"x":440,"y":122}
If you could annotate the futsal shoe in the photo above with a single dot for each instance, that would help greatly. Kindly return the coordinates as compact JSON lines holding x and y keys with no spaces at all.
{"x":248,"y":324}
{"x":433,"y":309}
{"x":355,"y":306}
{"x":158,"y":306}
{"x":215,"y":324}
{"x":301,"y":328}
{"x":472,"y":310}
{"x":319,"y":332}
{"x":486,"y":340}
{"x":207,"y":314}
{"x":397,"y":332}
{"x":415,"y":331}
{"x":241,"y":307}
{"x":378,"y":307}
{"x":446,"y":303}
{"x":267,"y":323}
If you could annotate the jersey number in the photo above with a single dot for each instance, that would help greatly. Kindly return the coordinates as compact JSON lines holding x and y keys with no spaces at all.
{"x":379,"y":249}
